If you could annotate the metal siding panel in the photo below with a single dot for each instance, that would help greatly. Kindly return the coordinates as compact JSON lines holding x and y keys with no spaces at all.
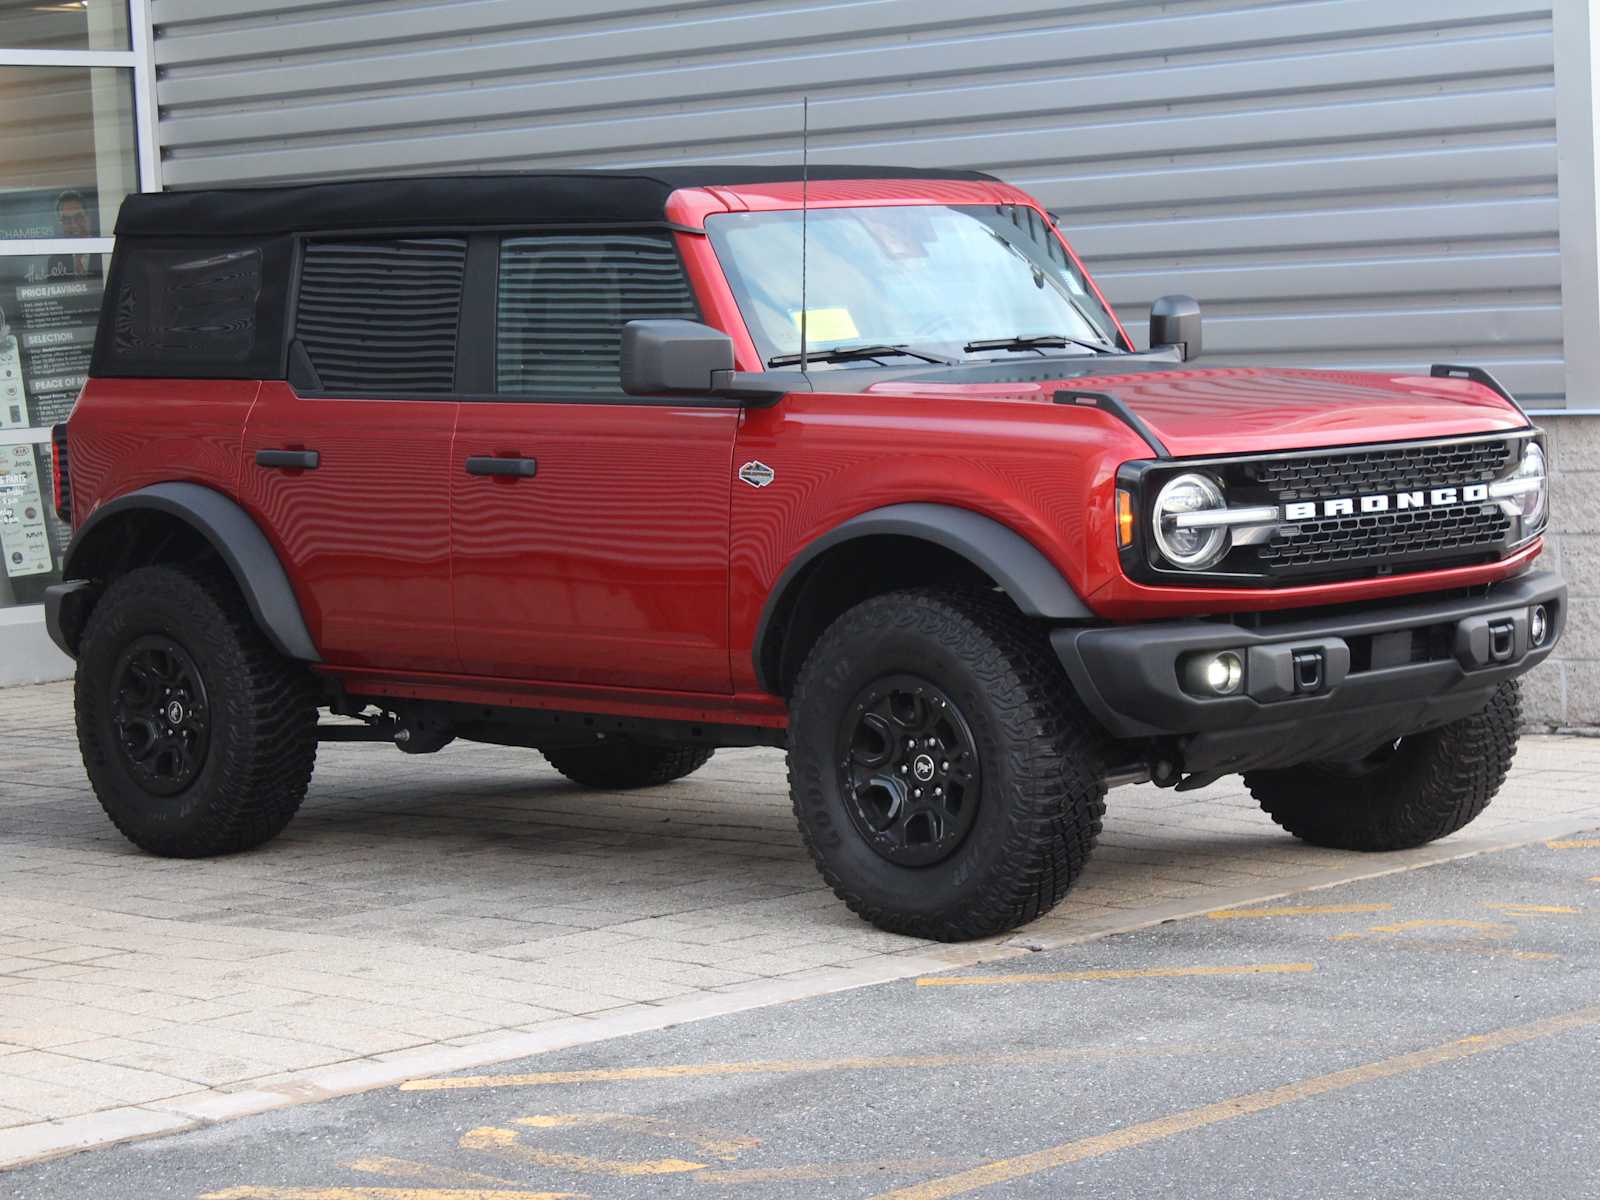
{"x":1468,"y":57}
{"x":1341,"y":182}
{"x":1349,"y":278}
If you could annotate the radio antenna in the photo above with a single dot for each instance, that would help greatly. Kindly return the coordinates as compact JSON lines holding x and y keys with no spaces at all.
{"x":805,"y":190}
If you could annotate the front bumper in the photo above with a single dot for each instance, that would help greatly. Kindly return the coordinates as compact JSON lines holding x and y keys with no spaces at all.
{"x":1386,"y":670}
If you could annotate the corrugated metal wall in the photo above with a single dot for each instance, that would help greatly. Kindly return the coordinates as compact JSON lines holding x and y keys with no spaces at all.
{"x":1340,"y":182}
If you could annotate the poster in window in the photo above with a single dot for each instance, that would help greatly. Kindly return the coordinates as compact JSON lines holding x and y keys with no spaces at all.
{"x":49,"y":309}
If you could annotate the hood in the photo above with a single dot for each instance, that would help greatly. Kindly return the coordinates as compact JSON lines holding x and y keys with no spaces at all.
{"x":1201,"y":411}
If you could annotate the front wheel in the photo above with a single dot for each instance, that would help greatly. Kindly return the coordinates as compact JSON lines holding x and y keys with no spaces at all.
{"x":1407,"y":793}
{"x":946,"y":782}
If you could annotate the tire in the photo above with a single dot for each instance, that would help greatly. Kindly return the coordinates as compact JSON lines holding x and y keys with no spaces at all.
{"x":1419,"y":790}
{"x":1025,"y":799}
{"x":621,"y":766}
{"x":235,"y":766}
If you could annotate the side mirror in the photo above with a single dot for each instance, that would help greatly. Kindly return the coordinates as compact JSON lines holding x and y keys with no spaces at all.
{"x":674,"y":356}
{"x":1175,"y":321}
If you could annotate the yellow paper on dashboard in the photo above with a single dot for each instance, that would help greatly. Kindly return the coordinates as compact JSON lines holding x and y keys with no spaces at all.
{"x":827,"y":324}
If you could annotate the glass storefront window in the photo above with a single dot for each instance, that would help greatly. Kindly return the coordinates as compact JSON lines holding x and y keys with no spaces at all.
{"x":71,"y":87}
{"x":64,"y":24}
{"x":49,"y":307}
{"x":67,"y":150}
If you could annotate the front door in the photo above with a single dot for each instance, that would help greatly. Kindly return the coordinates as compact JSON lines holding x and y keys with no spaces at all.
{"x":590,"y":529}
{"x":347,"y":466}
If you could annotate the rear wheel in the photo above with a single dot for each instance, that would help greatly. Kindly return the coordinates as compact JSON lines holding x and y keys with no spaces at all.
{"x":198,"y":737}
{"x":1406,"y":793}
{"x":618,"y":766}
{"x":944,"y":778}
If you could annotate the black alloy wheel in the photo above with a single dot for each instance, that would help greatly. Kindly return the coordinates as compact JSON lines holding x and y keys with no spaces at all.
{"x":198,"y":737}
{"x":159,"y":711}
{"x":945,"y":779}
{"x":909,"y":770}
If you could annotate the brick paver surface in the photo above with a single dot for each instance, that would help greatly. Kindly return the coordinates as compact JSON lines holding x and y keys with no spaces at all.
{"x":454,"y":898}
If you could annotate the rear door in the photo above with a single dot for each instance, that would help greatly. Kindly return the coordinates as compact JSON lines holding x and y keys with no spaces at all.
{"x":347,"y":464}
{"x":598,"y":551}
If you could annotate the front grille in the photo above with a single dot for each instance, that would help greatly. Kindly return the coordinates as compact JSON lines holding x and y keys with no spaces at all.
{"x":1396,"y":468}
{"x":1348,"y":547}
{"x":1386,"y":520}
{"x":1372,"y":543}
{"x":1384,"y":537}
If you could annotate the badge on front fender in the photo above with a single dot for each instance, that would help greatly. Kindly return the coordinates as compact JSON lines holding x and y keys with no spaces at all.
{"x":756,"y":473}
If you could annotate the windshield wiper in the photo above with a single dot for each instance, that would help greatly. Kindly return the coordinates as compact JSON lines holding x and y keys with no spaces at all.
{"x":1040,"y":341}
{"x":850,"y":353}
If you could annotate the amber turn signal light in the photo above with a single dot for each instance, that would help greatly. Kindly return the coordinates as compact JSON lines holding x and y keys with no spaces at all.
{"x":1124,"y":518}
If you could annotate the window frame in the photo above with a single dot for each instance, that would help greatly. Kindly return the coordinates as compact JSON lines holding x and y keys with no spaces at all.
{"x":139,"y":60}
{"x":291,"y":316}
{"x":1056,"y":252}
{"x":490,"y":379}
{"x":476,"y":357}
{"x":271,"y":248}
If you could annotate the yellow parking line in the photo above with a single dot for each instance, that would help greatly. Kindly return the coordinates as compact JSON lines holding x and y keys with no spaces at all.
{"x":504,"y":1143}
{"x":1531,"y":910}
{"x":1129,"y":973}
{"x":1004,"y":1170}
{"x":1308,"y":910}
{"x":421,"y":1172}
{"x":1575,"y":844}
{"x":804,"y":1066}
{"x":1493,"y":929}
{"x":823,"y":1172}
{"x":379,"y":1193}
{"x":716,"y":1143}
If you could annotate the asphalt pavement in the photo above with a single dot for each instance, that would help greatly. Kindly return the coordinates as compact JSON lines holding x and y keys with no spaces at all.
{"x":1435,"y":1032}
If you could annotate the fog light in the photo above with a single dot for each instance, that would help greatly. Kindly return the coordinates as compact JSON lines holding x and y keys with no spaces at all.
{"x":1214,"y":674}
{"x":1538,"y":625}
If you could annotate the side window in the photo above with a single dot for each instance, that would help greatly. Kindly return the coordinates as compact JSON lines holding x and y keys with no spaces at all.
{"x":562,"y":302}
{"x":193,"y":308}
{"x":188,"y":306}
{"x":382,"y":315}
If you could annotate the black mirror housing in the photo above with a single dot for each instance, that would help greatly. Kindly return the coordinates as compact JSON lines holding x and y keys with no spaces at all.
{"x":663,"y":357}
{"x":1175,"y":321}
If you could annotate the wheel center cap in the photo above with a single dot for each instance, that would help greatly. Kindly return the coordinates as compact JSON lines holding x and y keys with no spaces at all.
{"x":175,"y":713}
{"x":922,"y":768}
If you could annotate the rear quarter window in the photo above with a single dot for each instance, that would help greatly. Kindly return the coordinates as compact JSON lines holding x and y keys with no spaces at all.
{"x":198,"y":308}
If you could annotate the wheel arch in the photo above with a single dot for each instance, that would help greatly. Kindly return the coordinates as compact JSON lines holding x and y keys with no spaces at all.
{"x":914,"y":544}
{"x":157,"y":522}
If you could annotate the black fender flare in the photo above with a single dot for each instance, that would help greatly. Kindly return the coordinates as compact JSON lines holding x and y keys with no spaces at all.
{"x":1004,"y":555}
{"x":238,"y":541}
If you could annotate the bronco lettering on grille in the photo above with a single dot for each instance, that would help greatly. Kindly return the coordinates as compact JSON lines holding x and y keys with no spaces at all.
{"x":1349,"y":506}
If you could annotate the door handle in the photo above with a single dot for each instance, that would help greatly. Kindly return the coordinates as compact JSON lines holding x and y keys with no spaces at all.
{"x":516,"y":468}
{"x":289,"y":460}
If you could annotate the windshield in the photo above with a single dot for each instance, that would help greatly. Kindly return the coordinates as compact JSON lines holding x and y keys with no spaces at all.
{"x":931,"y":276}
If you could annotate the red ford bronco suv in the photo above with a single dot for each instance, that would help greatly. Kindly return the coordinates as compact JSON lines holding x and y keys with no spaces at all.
{"x":624,"y":467}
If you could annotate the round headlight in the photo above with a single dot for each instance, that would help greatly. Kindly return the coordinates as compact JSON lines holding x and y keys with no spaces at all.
{"x":1532,"y":503}
{"x":1197,"y":547}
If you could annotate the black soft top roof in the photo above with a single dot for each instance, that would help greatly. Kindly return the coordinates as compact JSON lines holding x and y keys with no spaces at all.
{"x":611,"y":197}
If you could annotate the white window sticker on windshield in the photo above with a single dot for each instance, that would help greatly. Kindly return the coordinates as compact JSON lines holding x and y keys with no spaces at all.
{"x":827,"y":324}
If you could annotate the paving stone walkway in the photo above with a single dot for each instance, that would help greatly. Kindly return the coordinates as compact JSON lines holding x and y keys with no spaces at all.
{"x":421,"y":910}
